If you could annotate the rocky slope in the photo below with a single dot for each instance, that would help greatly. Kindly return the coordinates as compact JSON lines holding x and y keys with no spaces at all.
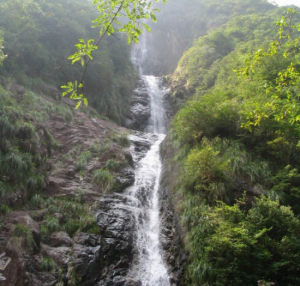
{"x":87,"y":169}
{"x":78,"y":228}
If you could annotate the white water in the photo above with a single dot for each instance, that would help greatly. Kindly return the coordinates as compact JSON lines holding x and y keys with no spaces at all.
{"x":148,"y":263}
{"x":148,"y":266}
{"x":157,"y":123}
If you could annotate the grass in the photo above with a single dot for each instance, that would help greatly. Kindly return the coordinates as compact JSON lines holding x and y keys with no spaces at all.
{"x":112,"y":165}
{"x":75,"y":216}
{"x":47,"y":264}
{"x":104,"y":179}
{"x":83,"y":160}
{"x":98,"y":148}
{"x":122,"y":139}
{"x":23,"y":238}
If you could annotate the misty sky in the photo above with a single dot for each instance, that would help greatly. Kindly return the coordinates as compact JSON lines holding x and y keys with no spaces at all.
{"x":286,"y":2}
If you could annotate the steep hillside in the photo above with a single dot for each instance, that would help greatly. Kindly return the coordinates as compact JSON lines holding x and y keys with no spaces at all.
{"x":40,"y":35}
{"x":237,"y":151}
{"x":56,"y":165}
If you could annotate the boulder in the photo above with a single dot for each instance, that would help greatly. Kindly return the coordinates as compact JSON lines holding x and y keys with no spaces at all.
{"x":23,"y":218}
{"x":60,"y":239}
{"x":59,"y":254}
{"x":140,"y":110}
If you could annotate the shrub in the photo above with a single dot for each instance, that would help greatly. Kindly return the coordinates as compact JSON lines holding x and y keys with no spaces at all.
{"x":83,"y":159}
{"x":122,"y":139}
{"x":23,"y":237}
{"x":47,"y":264}
{"x":112,"y":165}
{"x":225,"y":242}
{"x":207,"y":172}
{"x":212,"y":115}
{"x":104,"y":179}
{"x":37,"y":200}
{"x":49,"y":225}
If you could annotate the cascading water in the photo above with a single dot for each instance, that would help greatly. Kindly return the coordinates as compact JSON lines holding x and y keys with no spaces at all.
{"x":148,"y":263}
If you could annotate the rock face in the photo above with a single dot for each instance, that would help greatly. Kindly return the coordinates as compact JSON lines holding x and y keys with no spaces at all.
{"x":140,"y":107}
{"x":105,"y":259}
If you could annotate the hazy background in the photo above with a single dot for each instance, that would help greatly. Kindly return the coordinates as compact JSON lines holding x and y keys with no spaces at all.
{"x":286,"y":2}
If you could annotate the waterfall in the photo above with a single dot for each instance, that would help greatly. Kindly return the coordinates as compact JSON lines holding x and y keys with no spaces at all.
{"x":148,"y":263}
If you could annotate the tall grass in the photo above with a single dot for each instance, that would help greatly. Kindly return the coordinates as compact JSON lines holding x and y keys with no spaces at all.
{"x":104,"y":179}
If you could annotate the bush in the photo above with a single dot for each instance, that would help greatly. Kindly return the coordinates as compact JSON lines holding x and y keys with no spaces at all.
{"x":104,"y":179}
{"x":23,"y":237}
{"x":208,"y":172}
{"x":225,"y":242}
{"x":112,"y":165}
{"x":122,"y":139}
{"x":83,"y":160}
{"x":47,"y":264}
{"x":212,"y":115}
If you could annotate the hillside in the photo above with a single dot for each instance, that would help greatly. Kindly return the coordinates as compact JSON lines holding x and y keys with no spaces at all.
{"x":237,"y":192}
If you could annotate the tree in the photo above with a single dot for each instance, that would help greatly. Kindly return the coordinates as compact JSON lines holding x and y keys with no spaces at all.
{"x":283,"y":94}
{"x":123,"y":16}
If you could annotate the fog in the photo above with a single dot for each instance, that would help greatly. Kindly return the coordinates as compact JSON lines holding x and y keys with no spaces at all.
{"x":286,"y":2}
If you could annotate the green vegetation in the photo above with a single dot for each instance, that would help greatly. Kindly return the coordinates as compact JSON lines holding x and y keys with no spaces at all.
{"x":122,"y":139}
{"x":25,"y":144}
{"x":112,"y":17}
{"x":104,"y":179}
{"x":22,"y":238}
{"x":39,"y":36}
{"x":181,"y":22}
{"x":69,"y":215}
{"x":229,"y":246}
{"x":239,"y":131}
{"x":83,"y":159}
{"x":47,"y":264}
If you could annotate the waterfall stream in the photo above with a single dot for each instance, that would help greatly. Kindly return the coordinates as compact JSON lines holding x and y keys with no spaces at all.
{"x":148,"y":263}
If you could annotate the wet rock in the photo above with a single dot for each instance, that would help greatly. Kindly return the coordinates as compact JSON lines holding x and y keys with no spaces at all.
{"x":141,"y":144}
{"x":87,"y":259}
{"x":124,"y":179}
{"x":59,"y":254}
{"x":140,"y":107}
{"x":60,"y":239}
{"x":133,"y":283}
{"x":105,"y":258}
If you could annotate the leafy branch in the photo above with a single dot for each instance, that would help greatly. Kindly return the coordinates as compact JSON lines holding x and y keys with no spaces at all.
{"x":283,"y":93}
{"x":110,"y":11}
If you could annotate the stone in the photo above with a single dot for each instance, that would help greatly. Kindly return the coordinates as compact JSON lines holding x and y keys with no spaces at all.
{"x":59,"y":254}
{"x":60,"y":239}
{"x":130,"y":282}
{"x":140,"y":110}
{"x":23,"y":218}
{"x":125,"y":179}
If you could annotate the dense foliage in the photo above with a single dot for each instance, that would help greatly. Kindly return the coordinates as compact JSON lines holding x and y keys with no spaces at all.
{"x":25,"y":144}
{"x":241,"y":133}
{"x":40,"y":35}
